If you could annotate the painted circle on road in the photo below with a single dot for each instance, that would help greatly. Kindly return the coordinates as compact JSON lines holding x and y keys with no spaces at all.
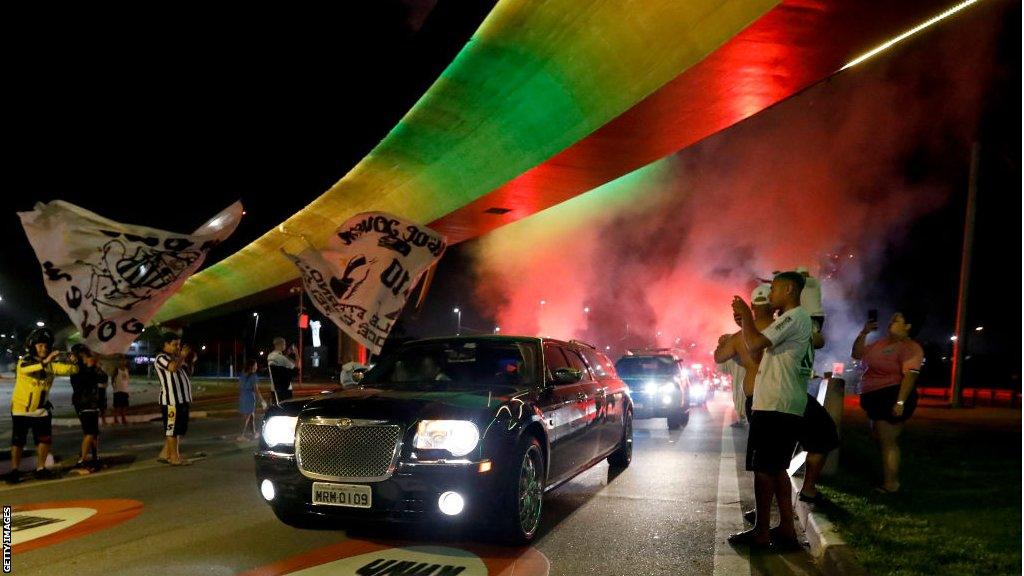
{"x":45,"y":523}
{"x":370,"y":558}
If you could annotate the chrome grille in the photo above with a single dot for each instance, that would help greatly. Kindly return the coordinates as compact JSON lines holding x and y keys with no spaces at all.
{"x":346,"y":450}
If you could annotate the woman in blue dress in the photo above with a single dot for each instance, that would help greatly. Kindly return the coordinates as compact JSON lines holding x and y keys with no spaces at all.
{"x":248,"y":397}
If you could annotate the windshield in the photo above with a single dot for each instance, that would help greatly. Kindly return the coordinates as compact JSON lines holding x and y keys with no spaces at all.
{"x":641,"y":366}
{"x":445,"y":364}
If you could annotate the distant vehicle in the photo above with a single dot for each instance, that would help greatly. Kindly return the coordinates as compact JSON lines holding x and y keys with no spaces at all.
{"x":660,"y":386}
{"x":705,"y":381}
{"x":448,"y":431}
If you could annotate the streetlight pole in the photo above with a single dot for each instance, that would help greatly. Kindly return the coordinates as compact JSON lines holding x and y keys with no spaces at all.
{"x":458,"y":327}
{"x":256,"y":327}
{"x":298,"y":322}
{"x":959,"y":343}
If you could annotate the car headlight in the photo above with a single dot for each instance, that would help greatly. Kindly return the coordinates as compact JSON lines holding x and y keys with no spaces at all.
{"x":458,"y":437}
{"x":280,"y":430}
{"x":651,"y":387}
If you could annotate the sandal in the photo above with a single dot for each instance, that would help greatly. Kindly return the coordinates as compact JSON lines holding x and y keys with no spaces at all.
{"x":749,"y":539}
{"x":817,"y":499}
{"x":163,"y":460}
{"x":181,"y":462}
{"x":784,"y":544}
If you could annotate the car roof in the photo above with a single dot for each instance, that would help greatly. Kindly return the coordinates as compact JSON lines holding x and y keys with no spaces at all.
{"x":504,"y":338}
{"x":674,"y":359}
{"x":486,"y":337}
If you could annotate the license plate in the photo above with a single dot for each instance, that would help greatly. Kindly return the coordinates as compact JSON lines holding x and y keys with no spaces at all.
{"x":348,"y":495}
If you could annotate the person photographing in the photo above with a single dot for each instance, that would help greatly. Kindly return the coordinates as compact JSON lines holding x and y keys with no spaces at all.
{"x":173,"y":366}
{"x":888,"y":387}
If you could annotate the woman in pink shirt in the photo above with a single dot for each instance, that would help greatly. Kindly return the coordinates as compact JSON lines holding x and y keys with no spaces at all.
{"x":887,"y":391}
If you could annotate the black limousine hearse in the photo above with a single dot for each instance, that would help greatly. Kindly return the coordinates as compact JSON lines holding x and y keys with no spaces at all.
{"x":452,"y":430}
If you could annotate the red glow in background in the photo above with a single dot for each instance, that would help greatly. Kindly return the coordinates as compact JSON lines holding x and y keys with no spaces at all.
{"x":843,"y":168}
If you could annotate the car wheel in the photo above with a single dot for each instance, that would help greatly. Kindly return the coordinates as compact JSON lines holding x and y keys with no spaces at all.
{"x":524,"y":494}
{"x":623,"y":455}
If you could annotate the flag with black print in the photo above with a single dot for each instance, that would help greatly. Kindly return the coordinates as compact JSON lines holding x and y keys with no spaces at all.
{"x":111,"y":278}
{"x":363,"y":277}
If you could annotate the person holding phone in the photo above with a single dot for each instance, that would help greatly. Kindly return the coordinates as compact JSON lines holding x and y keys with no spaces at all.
{"x":887,"y":389}
{"x":173,"y":367}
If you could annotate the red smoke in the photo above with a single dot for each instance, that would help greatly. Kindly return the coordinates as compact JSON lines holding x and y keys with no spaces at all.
{"x":839,"y":169}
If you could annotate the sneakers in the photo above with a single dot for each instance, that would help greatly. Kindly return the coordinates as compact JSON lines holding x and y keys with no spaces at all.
{"x":13,"y":477}
{"x":45,"y":474}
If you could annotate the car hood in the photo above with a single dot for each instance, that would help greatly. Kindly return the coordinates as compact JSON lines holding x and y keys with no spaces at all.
{"x":408,"y":406}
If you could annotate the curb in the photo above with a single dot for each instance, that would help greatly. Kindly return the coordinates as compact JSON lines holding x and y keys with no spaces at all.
{"x":132,"y":418}
{"x":833,"y":554}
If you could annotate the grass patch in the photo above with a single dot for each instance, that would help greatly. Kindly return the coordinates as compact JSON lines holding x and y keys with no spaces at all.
{"x":959,"y":509}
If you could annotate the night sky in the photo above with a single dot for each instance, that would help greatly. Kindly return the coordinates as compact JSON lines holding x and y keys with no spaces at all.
{"x":165,"y":121}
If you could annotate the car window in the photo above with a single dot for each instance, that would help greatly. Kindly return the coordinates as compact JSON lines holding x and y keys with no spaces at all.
{"x":646,"y":366}
{"x":600,"y":365}
{"x":554,"y":359}
{"x":576,"y":362}
{"x":441,"y":365}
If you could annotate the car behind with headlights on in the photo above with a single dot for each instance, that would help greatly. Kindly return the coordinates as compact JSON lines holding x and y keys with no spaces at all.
{"x":448,"y":430}
{"x":660,"y":386}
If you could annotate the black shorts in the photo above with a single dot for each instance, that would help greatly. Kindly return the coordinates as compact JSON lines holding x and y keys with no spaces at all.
{"x":41,"y":427}
{"x":819,"y":434}
{"x":120,"y":399}
{"x":772,"y":440}
{"x":878,"y":404}
{"x":102,"y":398}
{"x":90,"y":420}
{"x":175,"y":419}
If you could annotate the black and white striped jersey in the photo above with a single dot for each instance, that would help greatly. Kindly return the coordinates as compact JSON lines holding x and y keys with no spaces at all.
{"x":175,"y":387}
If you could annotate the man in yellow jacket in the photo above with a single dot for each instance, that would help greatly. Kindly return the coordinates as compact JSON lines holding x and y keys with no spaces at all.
{"x":30,"y":409}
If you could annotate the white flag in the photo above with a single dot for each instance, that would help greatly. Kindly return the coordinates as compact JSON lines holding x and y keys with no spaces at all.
{"x":111,"y":278}
{"x":362,"y":279}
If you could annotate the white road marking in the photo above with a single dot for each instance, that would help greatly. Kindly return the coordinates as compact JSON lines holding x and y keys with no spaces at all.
{"x":729,"y":514}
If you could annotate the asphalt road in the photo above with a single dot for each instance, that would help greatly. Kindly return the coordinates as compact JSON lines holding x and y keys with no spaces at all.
{"x":668,"y":514}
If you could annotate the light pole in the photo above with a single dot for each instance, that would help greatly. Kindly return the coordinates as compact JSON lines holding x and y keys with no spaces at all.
{"x":256,"y":326}
{"x":458,"y":326}
{"x":299,"y":361}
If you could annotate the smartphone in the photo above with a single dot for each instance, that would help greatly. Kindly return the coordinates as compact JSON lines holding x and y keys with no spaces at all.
{"x":873,"y":315}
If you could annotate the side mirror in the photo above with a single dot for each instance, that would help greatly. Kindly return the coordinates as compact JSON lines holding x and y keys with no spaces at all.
{"x":567,"y":376}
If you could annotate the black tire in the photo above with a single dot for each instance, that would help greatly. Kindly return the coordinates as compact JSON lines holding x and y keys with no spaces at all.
{"x":522,"y":494}
{"x":623,"y":455}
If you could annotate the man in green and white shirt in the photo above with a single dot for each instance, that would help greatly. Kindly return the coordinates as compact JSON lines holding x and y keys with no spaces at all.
{"x":780,"y":397}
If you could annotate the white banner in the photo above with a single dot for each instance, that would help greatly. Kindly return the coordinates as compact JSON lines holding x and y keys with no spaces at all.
{"x":111,"y":278}
{"x":362,"y":279}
